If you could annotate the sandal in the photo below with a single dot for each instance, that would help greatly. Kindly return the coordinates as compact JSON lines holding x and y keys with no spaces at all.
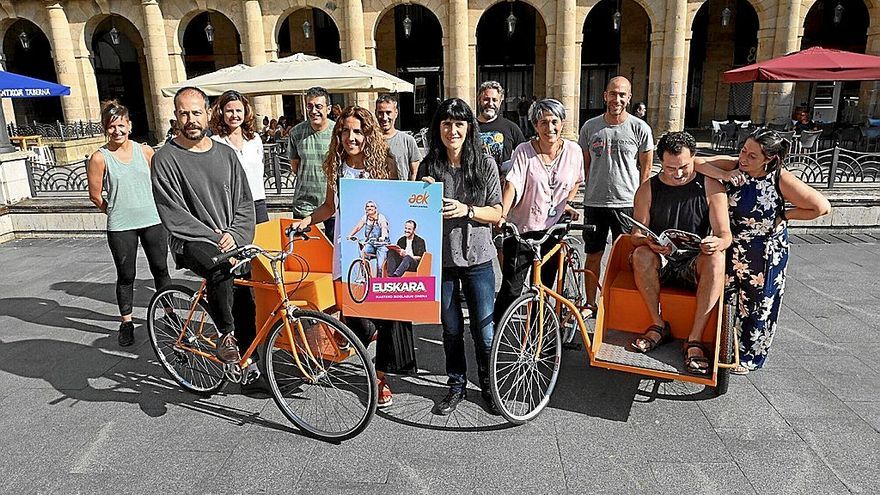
{"x":644,"y":343}
{"x":740,"y":370}
{"x":385,"y":397}
{"x":588,"y":311}
{"x":695,"y":365}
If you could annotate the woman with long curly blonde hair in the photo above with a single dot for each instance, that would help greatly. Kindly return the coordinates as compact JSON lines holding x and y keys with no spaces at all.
{"x":357,"y":151}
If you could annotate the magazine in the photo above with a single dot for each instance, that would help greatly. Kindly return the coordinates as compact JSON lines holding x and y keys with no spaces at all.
{"x":679,"y":240}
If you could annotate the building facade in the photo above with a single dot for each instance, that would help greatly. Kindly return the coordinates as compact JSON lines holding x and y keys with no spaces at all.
{"x":674,"y":51}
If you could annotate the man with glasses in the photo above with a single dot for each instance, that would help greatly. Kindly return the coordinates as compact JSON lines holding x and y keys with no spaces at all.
{"x":308,"y":143}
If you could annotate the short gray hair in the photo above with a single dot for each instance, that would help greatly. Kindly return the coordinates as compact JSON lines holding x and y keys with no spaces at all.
{"x":537,"y":109}
{"x":491,"y":85}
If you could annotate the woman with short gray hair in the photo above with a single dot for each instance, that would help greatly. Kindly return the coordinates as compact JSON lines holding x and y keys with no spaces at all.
{"x":545,"y":175}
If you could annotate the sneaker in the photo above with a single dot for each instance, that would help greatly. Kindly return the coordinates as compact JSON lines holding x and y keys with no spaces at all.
{"x":126,"y":334}
{"x":227,"y":351}
{"x":446,"y":406}
{"x":385,"y":396}
{"x":491,"y":406}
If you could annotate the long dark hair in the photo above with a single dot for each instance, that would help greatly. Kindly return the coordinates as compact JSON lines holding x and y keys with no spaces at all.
{"x":773,"y":145}
{"x":472,"y":156}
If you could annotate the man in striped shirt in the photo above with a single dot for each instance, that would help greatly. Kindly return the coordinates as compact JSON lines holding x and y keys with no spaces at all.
{"x":308,"y":145}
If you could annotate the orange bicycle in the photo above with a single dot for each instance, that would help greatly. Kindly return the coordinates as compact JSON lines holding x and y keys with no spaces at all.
{"x":319,"y":373}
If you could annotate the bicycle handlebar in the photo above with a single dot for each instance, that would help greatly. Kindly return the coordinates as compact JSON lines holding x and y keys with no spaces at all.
{"x":511,"y":230}
{"x":250,"y":251}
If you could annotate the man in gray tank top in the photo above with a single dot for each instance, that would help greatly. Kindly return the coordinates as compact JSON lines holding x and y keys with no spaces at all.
{"x":691,"y":202}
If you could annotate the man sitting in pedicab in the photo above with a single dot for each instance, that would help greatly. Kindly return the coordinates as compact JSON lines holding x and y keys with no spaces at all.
{"x":679,"y":198}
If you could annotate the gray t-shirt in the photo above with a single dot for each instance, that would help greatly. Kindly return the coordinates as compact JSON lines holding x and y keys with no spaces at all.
{"x":405,"y":151}
{"x":614,"y":160}
{"x":467,"y":242}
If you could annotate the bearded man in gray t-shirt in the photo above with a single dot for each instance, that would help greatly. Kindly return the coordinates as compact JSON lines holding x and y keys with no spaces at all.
{"x":618,"y":152}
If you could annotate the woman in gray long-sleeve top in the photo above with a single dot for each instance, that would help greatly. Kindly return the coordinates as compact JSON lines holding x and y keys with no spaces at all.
{"x":204,"y":201}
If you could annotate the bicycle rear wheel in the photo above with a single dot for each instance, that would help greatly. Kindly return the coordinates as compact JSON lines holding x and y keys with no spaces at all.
{"x":573,"y":290}
{"x":726,"y":349}
{"x":522,"y":376}
{"x":332,"y":393}
{"x":358,"y":280}
{"x":171,"y":313}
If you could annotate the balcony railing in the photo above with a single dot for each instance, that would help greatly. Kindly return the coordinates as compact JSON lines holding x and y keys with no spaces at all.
{"x":59,"y":130}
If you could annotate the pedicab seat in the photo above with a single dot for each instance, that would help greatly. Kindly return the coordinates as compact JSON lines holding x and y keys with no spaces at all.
{"x":310,"y":280}
{"x":623,"y":315}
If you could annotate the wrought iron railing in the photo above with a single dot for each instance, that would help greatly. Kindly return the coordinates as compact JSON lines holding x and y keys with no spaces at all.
{"x":47,"y":179}
{"x":835,"y":166}
{"x":59,"y":130}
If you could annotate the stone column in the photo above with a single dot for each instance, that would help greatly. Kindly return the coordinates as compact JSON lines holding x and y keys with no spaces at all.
{"x":759,"y":91}
{"x":89,"y":86}
{"x":672,"y":87}
{"x":869,"y":95}
{"x":65,"y":63}
{"x":355,"y":47}
{"x":552,"y":85}
{"x":566,"y":76}
{"x":654,"y":74}
{"x":685,"y":65}
{"x":255,"y":54}
{"x":458,"y":78}
{"x":158,"y":65}
{"x":787,"y":40}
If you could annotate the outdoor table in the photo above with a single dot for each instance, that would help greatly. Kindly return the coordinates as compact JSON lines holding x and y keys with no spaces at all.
{"x":22,"y":141}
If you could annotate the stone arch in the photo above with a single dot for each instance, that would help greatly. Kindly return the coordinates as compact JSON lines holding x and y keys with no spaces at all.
{"x":294,"y":6}
{"x":546,"y":11}
{"x":36,"y":62}
{"x":437,"y":7}
{"x":511,"y":69}
{"x":585,"y":7}
{"x":764,"y":9}
{"x":28,"y":12}
{"x":236,"y":20}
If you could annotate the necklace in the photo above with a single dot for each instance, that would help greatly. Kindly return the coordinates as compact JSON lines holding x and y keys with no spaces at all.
{"x":550,"y":153}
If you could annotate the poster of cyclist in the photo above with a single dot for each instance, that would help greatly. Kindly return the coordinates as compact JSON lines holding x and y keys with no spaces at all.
{"x":391,"y":235}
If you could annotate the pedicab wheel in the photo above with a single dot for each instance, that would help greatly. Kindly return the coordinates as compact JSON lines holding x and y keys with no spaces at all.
{"x":358,"y":280}
{"x":726,"y":350}
{"x":325,"y":384}
{"x":168,"y":316}
{"x":525,"y":359}
{"x":573,"y":290}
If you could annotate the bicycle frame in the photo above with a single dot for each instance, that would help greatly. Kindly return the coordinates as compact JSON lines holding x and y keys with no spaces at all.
{"x":559,"y":250}
{"x":284,"y":310}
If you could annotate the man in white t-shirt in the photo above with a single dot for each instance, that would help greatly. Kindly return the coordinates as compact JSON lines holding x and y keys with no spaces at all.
{"x":403,"y":146}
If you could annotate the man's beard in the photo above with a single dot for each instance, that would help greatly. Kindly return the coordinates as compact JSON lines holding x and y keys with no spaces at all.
{"x":201,"y":131}
{"x":489,"y":112}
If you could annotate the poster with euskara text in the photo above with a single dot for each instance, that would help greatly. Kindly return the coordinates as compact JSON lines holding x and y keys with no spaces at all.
{"x":391,"y":248}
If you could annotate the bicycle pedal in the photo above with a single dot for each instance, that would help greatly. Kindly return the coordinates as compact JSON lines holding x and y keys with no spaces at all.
{"x":233,"y":372}
{"x":251,"y":375}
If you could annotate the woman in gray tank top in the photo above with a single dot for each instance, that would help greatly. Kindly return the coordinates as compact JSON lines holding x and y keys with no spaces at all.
{"x":130,"y":209}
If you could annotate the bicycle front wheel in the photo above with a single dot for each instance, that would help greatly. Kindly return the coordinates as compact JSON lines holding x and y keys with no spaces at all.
{"x":358,"y":280}
{"x":172,"y":314}
{"x":321,"y":376}
{"x":525,"y":359}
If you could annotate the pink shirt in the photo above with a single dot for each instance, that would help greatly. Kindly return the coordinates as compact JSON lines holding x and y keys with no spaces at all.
{"x":542,"y":193}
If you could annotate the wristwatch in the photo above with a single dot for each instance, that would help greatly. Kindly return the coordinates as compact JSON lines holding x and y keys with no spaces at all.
{"x":470,"y":212}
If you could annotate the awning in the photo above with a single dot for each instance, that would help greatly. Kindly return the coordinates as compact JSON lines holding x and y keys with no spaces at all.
{"x":206,"y":82}
{"x":812,"y":64}
{"x":17,"y":86}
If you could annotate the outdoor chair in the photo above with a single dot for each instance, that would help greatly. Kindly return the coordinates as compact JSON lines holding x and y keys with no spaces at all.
{"x":728,"y":130}
{"x":850,"y":138}
{"x":809,"y":141}
{"x":717,"y":133}
{"x":787,"y":135}
{"x":829,"y":135}
{"x":870,"y":138}
{"x":776,"y":127}
{"x":742,"y":133}
{"x":743,"y":123}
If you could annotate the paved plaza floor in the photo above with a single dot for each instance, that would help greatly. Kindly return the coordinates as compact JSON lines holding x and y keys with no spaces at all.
{"x":79,"y":414}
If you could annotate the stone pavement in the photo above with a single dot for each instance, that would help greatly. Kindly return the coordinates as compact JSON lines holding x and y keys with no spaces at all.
{"x":78,"y":414}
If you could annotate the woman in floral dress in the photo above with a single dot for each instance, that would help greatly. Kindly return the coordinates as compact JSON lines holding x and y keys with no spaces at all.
{"x":758,"y":188}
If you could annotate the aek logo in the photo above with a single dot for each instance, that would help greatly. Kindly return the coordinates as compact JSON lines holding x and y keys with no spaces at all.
{"x":419,"y":199}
